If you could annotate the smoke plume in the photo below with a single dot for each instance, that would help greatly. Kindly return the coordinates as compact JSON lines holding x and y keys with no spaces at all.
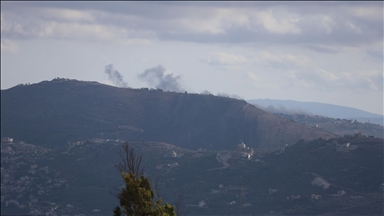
{"x":115,"y":77}
{"x":156,"y":77}
{"x":206,"y":92}
{"x":229,"y":96}
{"x":284,"y":110}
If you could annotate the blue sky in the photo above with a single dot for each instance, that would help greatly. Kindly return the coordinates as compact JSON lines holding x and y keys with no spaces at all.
{"x":329,"y":52}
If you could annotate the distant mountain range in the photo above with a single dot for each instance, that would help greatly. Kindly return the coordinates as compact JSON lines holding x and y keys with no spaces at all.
{"x":314,"y":108}
{"x":62,"y":110}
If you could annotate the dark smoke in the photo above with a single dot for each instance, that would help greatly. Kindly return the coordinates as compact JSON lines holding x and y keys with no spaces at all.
{"x":156,"y":77}
{"x":115,"y":77}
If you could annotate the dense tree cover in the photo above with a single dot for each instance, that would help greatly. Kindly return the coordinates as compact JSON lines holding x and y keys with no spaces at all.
{"x":137,"y":196}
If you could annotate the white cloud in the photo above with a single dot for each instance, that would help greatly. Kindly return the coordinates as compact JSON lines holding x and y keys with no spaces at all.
{"x":66,"y":14}
{"x":366,"y":12}
{"x":326,"y":23}
{"x":74,"y":30}
{"x":261,"y":83}
{"x":265,"y":56}
{"x":320,"y":23}
{"x":216,"y":21}
{"x":299,"y":60}
{"x":233,"y":67}
{"x":9,"y":46}
{"x":354,"y":27}
{"x":324,"y":75}
{"x":316,"y":79}
{"x":367,"y":79}
{"x":220,"y":20}
{"x":256,"y":80}
{"x":274,"y":25}
{"x":222,"y":58}
{"x":287,"y":60}
{"x":70,"y":24}
{"x":322,"y":79}
{"x":200,"y":26}
{"x":256,"y":23}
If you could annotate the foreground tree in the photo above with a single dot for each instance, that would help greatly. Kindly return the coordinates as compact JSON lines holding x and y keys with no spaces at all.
{"x":117,"y":211}
{"x":137,"y":196}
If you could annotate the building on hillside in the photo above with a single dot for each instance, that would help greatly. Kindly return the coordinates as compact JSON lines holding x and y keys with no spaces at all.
{"x":241,"y":145}
{"x":359,"y":135}
{"x":246,"y":155}
{"x":346,"y":147}
{"x":7,"y":139}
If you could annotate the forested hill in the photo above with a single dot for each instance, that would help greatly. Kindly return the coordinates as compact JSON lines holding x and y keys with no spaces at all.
{"x":55,"y":112}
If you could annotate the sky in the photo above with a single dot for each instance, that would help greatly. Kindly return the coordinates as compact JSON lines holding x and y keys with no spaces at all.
{"x":327,"y":52}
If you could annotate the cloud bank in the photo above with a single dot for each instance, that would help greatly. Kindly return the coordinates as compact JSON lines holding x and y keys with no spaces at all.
{"x":322,"y":26}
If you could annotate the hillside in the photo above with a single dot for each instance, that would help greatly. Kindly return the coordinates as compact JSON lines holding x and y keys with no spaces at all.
{"x":341,"y":176}
{"x":62,"y":110}
{"x":338,"y":126}
{"x":314,"y":108}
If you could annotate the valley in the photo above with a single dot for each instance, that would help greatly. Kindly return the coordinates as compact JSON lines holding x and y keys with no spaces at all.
{"x":310,"y":177}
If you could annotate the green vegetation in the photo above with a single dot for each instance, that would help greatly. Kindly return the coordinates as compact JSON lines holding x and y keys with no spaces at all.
{"x":81,"y":175}
{"x":138,"y":197}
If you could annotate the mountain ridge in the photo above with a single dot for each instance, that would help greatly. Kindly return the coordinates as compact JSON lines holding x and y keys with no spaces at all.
{"x":69,"y":110}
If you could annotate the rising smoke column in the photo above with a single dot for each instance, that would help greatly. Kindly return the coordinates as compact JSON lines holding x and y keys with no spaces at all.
{"x":156,"y":77}
{"x":115,"y":77}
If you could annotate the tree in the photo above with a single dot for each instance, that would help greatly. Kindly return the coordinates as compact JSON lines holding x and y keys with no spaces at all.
{"x":117,"y":211}
{"x":137,"y":196}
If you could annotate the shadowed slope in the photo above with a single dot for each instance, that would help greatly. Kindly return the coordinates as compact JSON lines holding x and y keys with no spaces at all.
{"x":62,"y":110}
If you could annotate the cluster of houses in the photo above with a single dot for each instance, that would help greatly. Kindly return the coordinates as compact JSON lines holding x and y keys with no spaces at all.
{"x":346,"y":147}
{"x":99,"y":141}
{"x":246,"y":152}
{"x":168,"y":167}
{"x":318,"y":181}
{"x":6,"y":140}
{"x":201,"y":204}
{"x":20,"y":192}
{"x":293,"y":197}
{"x":315,"y":197}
